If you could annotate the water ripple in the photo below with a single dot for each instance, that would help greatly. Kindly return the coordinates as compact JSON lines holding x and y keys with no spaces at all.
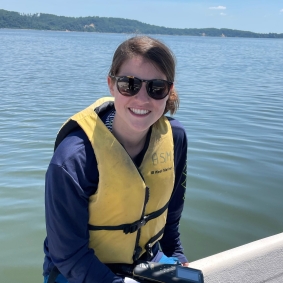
{"x":231,"y":95}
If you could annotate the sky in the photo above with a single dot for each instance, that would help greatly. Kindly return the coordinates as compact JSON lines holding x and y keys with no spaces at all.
{"x":262,"y":16}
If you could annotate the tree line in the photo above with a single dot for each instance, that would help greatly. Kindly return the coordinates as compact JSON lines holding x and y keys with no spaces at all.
{"x":40,"y":21}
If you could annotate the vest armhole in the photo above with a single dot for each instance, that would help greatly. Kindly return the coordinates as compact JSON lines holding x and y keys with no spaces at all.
{"x":103,"y":108}
{"x":65,"y":130}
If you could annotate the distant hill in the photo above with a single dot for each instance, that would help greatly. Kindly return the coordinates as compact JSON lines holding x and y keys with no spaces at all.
{"x":15,"y":20}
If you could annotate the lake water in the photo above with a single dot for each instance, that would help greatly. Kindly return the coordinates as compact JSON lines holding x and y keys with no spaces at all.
{"x":231,"y":92}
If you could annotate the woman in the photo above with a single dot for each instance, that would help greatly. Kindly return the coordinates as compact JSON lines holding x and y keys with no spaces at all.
{"x":116,"y":183}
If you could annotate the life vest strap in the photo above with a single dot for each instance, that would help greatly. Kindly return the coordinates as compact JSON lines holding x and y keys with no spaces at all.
{"x":132,"y":227}
{"x":148,"y":246}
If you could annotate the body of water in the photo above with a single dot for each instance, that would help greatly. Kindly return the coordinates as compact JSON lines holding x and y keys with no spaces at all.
{"x":231,"y":92}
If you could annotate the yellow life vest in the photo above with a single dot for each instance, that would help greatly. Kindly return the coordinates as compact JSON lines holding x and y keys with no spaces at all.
{"x":128,"y":211}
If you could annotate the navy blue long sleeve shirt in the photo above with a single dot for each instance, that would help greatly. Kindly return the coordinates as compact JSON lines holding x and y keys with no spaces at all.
{"x":72,"y":177}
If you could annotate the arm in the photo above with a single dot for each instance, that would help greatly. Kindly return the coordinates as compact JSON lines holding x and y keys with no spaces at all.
{"x":170,"y":242}
{"x":68,"y":187}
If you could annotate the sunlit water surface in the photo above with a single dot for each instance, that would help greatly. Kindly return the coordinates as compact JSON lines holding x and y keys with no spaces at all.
{"x":231,"y":92}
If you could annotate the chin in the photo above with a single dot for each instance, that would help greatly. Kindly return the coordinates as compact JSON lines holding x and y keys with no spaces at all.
{"x":140,"y":128}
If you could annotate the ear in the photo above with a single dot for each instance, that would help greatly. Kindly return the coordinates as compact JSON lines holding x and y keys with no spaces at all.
{"x":111,"y":85}
{"x":170,"y":91}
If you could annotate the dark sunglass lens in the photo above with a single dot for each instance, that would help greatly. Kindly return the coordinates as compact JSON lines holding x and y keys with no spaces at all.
{"x":128,"y":86}
{"x":158,"y":89}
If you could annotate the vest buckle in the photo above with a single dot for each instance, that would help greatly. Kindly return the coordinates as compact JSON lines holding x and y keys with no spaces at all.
{"x":131,"y":228}
{"x":149,"y":252}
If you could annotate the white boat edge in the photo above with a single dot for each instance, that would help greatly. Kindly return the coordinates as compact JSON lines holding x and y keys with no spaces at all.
{"x":259,"y":261}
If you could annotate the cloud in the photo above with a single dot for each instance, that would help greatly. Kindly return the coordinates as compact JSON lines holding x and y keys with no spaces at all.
{"x":222,"y":14}
{"x":281,"y":11}
{"x":218,"y":8}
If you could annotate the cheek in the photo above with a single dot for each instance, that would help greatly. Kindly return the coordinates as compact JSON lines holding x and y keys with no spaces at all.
{"x":160,"y":106}
{"x":120,"y":100}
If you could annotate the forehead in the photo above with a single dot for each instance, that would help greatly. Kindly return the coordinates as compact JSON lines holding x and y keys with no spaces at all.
{"x":141,"y":67}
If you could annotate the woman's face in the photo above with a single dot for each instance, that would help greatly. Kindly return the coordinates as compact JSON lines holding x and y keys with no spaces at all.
{"x":137,"y":113}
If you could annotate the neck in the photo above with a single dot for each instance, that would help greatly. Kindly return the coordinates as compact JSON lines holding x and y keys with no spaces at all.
{"x":133,"y":143}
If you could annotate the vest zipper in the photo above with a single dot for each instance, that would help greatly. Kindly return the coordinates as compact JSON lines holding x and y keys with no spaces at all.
{"x":138,"y":249}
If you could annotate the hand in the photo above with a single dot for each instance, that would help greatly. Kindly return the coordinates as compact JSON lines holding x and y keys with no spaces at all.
{"x":185,"y":264}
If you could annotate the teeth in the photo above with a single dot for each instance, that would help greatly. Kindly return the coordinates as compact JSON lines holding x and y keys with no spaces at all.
{"x":139,"y":111}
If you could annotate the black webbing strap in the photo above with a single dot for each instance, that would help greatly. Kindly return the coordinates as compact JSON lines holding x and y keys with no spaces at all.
{"x":53,"y":275}
{"x":133,"y":227}
{"x":148,"y":246}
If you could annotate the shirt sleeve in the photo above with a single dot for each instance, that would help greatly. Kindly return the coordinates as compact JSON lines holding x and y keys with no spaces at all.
{"x":170,"y":242}
{"x":67,"y":190}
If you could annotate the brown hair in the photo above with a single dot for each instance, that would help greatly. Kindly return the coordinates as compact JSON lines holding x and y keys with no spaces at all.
{"x":154,"y":51}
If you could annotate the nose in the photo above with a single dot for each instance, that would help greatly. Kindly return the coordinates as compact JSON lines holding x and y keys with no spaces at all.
{"x":142,"y":94}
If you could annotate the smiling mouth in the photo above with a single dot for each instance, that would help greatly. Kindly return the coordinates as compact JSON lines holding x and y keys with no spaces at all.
{"x":139,"y":111}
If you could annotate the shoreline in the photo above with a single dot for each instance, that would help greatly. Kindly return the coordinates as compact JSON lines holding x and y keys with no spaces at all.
{"x":152,"y":34}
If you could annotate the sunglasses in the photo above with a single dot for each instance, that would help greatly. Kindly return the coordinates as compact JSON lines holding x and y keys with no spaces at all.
{"x":130,"y":86}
